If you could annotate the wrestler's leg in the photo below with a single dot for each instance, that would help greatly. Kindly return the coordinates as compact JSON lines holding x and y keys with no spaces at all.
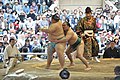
{"x":50,"y":52}
{"x":68,"y":53}
{"x":74,"y":55}
{"x":60,"y":47}
{"x":80,"y":51}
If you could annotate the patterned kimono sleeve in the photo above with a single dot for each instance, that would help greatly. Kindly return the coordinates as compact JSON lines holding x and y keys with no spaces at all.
{"x":95,"y":26}
{"x":79,"y":27}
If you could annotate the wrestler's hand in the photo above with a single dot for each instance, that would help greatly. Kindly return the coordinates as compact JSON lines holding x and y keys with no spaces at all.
{"x":39,"y":29}
{"x":82,"y":35}
{"x":43,"y":29}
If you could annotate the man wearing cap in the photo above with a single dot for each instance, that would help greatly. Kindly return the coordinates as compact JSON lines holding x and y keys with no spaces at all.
{"x":55,"y":31}
{"x":17,"y":7}
{"x":86,"y":28}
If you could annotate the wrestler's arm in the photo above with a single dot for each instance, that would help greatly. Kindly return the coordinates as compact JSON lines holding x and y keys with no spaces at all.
{"x":51,"y":29}
{"x":66,"y":38}
{"x":60,"y":40}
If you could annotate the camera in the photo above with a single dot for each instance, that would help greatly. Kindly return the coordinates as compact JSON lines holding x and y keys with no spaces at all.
{"x":64,"y":74}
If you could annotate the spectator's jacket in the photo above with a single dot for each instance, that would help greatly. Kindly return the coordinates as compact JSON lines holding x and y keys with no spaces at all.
{"x":111,"y":53}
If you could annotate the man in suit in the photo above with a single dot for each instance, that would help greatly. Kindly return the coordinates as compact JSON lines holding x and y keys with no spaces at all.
{"x":112,"y":51}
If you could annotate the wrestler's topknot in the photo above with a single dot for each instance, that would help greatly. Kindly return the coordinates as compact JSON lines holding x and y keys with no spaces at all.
{"x":56,"y":17}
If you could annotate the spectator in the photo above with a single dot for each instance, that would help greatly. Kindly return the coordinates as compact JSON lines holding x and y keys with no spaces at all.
{"x":2,"y":47}
{"x":117,"y":42}
{"x":22,"y":16}
{"x":26,"y":8}
{"x":106,"y":10}
{"x":17,"y":7}
{"x":117,"y":20}
{"x":36,"y":46}
{"x":28,"y":45}
{"x":5,"y":39}
{"x":49,"y":2}
{"x":34,"y":7}
{"x":43,"y":8}
{"x":32,"y":15}
{"x":7,"y":6}
{"x":44,"y":22}
{"x":1,"y":5}
{"x":112,"y":51}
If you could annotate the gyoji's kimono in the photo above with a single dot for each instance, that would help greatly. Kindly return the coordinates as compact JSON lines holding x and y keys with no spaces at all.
{"x":91,"y":45}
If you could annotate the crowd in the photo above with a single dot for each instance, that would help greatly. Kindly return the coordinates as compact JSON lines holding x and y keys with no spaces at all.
{"x":23,"y":18}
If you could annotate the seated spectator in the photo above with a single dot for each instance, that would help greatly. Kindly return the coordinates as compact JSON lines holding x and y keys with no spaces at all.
{"x":36,"y":46}
{"x":22,"y":16}
{"x":26,"y":49}
{"x":112,"y":51}
{"x":1,"y":5}
{"x":27,"y":45}
{"x":116,"y":40}
{"x":32,"y":15}
{"x":26,"y":8}
{"x":34,"y":7}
